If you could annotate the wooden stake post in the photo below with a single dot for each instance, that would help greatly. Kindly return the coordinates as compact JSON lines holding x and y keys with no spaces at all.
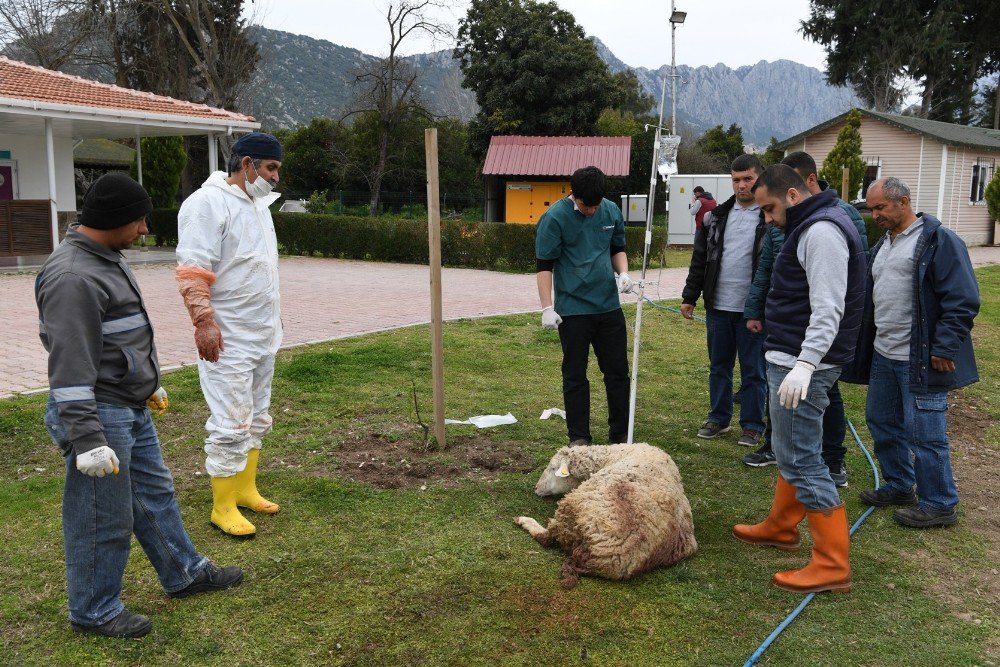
{"x":434,"y":245}
{"x":845,"y":182}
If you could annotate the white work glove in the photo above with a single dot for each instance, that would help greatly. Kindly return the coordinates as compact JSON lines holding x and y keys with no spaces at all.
{"x":158,"y":402}
{"x":795,"y":386}
{"x":97,"y":462}
{"x":550,"y":318}
{"x":625,"y":284}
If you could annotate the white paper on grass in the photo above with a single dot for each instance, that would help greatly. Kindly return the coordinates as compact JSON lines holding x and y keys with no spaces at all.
{"x":485,"y":421}
{"x":548,"y":412}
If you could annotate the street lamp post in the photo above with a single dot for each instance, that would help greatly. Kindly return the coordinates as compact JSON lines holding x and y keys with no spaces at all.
{"x":676,"y":17}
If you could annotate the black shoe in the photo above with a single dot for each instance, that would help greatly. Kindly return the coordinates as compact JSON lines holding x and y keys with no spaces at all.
{"x":762,"y":457}
{"x":916,"y":517}
{"x":888,"y":496}
{"x":711,"y":430}
{"x":580,"y":442}
{"x":212,"y":578}
{"x":750,"y":438}
{"x":838,"y":473}
{"x":124,"y":625}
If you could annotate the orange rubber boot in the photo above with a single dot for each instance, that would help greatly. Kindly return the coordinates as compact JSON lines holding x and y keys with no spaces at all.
{"x":246,"y":489}
{"x":829,"y":569}
{"x":780,"y":528}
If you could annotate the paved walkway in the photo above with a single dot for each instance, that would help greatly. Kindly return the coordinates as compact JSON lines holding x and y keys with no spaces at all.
{"x":321,"y":299}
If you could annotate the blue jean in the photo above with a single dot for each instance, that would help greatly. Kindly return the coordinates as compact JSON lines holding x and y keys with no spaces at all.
{"x":909,"y":431}
{"x":797,"y":438}
{"x":100,"y":514}
{"x":728,"y":337}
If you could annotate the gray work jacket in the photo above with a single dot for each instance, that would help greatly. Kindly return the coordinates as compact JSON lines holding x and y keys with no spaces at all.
{"x":94,"y":325}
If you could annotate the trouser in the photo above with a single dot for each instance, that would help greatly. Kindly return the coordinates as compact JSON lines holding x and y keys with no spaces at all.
{"x":796,"y":435}
{"x":100,"y":515}
{"x":834,"y":430}
{"x":729,"y":338}
{"x":237,"y":389}
{"x":606,"y":333}
{"x":910,"y":435}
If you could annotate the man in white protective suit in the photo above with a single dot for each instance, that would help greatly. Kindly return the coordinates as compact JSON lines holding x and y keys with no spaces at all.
{"x":227,"y":256}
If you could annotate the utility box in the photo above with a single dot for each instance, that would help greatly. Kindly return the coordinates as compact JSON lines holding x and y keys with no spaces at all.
{"x":526,"y":201}
{"x":681,"y":226}
{"x":634,"y":208}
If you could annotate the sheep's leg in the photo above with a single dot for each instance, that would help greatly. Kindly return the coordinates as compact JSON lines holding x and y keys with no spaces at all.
{"x":535,"y":529}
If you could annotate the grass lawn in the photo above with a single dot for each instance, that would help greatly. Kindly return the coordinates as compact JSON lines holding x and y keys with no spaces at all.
{"x":387,"y":554}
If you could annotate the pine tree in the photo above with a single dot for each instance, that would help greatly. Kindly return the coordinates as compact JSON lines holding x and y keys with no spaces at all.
{"x":993,"y":197}
{"x":846,"y":153}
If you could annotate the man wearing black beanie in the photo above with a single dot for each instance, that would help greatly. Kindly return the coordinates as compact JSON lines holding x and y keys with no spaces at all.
{"x":103,"y":372}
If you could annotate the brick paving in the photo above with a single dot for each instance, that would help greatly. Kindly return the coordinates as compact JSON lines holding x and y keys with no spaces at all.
{"x":321,"y":299}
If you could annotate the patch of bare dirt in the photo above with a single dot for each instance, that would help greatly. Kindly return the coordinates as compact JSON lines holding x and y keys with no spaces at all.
{"x":970,"y":593}
{"x":384,"y":459}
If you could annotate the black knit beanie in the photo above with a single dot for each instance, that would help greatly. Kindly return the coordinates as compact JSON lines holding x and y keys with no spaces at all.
{"x":113,"y":201}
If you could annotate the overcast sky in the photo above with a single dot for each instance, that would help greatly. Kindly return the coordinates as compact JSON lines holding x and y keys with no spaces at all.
{"x":733,"y":32}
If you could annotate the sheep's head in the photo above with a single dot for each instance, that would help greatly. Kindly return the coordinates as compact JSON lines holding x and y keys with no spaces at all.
{"x":557,"y":478}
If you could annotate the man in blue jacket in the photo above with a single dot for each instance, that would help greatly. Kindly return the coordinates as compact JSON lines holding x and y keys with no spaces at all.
{"x":922,"y":297}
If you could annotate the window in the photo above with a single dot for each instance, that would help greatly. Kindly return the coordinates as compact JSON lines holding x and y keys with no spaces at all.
{"x":871,"y":174}
{"x":982,"y":173}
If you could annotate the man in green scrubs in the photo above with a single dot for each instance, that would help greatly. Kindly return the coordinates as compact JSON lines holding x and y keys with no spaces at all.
{"x":581,"y":241}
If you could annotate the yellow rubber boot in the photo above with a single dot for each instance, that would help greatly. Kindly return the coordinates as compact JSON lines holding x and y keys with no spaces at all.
{"x":225,"y":515}
{"x":246,"y":493}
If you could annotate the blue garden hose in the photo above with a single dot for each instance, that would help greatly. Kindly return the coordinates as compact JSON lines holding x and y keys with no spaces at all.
{"x":752,"y":660}
{"x":670,"y":308}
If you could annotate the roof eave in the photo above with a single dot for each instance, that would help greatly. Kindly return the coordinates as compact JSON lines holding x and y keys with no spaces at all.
{"x":124,"y":116}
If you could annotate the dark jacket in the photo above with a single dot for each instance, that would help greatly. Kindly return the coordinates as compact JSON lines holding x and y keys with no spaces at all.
{"x":706,"y":259}
{"x":754,"y":308}
{"x":945,"y":302}
{"x":789,"y":309}
{"x":94,"y":325}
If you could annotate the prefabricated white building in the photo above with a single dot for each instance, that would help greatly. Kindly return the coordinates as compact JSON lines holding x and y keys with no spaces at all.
{"x":680,"y":230}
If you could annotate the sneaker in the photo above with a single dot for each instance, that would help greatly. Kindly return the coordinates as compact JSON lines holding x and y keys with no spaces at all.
{"x":212,"y":578}
{"x":838,"y":473}
{"x":750,"y":438}
{"x":888,"y":496}
{"x":918,"y":517}
{"x":124,"y":625}
{"x":762,"y":457}
{"x":711,"y":430}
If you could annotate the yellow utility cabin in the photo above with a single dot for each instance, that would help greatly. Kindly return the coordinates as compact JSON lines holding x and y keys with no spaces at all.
{"x":527,"y":200}
{"x":525,"y":175}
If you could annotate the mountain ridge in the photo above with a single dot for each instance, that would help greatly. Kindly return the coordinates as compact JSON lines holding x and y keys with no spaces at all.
{"x":303,"y":77}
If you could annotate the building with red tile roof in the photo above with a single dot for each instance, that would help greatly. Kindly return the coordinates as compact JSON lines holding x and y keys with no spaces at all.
{"x":44,"y":114}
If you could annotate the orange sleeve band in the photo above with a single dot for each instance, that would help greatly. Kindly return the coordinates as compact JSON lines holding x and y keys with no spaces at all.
{"x":196,"y":272}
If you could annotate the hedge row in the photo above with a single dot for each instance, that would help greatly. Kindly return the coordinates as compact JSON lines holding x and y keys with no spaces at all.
{"x":478,"y":245}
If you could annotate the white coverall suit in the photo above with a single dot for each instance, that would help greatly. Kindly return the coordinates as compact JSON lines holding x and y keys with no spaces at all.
{"x":222,"y":230}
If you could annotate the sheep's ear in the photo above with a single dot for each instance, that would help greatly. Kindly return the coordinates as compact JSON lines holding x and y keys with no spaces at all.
{"x":563,"y":470}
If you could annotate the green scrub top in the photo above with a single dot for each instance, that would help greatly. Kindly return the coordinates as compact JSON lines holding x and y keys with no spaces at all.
{"x":581,"y":247}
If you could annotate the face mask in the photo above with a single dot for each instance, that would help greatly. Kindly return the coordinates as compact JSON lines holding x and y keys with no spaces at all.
{"x":259,"y":187}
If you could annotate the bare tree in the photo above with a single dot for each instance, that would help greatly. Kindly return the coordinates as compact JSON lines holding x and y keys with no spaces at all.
{"x":45,"y":32}
{"x":389,"y":88}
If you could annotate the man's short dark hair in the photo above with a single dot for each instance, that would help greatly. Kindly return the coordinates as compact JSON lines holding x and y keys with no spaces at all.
{"x":801,"y":162}
{"x":778,"y":179}
{"x":747,"y":162}
{"x":235,"y":161}
{"x":698,"y":189}
{"x":588,"y":185}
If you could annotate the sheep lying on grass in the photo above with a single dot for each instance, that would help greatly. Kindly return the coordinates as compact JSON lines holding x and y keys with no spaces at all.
{"x":624,"y":513}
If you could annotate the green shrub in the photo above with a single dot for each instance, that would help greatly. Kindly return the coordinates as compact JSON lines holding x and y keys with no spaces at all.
{"x":478,"y":245}
{"x":993,"y":196}
{"x":163,"y":224}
